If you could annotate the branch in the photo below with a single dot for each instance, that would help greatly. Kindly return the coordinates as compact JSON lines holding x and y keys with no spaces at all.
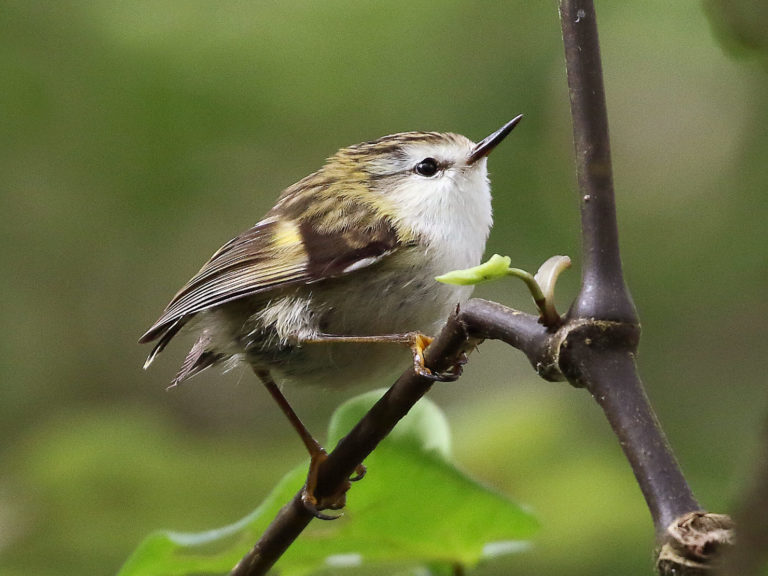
{"x":601,"y":357}
{"x":603,"y":292}
{"x":603,"y":328}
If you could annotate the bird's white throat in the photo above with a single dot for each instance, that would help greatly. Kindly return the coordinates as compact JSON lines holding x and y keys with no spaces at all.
{"x":452,"y":212}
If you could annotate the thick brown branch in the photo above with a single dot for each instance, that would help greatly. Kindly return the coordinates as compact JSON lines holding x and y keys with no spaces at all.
{"x":602,"y":328}
{"x":603,"y":292}
{"x":600,"y":356}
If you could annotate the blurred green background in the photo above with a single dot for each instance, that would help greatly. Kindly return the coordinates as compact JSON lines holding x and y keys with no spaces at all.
{"x":140,"y":136}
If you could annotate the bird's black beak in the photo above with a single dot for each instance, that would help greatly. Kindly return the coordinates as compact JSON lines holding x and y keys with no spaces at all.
{"x":484,"y":147}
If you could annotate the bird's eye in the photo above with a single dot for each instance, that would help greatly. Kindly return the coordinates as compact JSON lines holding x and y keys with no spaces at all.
{"x":427,"y":167}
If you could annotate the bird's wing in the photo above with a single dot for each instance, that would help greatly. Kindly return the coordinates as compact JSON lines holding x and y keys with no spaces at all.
{"x":275,"y":253}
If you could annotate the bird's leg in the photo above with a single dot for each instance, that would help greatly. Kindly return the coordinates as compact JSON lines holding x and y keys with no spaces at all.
{"x":416,"y":341}
{"x":317,"y":455}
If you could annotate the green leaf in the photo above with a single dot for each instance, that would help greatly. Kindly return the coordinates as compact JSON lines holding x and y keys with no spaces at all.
{"x":169,"y":553}
{"x":413,"y":508}
{"x":496,"y":267}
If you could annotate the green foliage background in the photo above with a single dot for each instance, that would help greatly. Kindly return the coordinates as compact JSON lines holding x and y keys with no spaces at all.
{"x":138,"y":137}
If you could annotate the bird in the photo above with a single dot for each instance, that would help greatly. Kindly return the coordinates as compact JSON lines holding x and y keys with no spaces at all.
{"x":344,"y":263}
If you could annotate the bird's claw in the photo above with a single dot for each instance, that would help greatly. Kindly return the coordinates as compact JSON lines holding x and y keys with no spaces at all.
{"x":445,"y":376}
{"x":360,"y":472}
{"x":454,"y":372}
{"x":450,"y":375}
{"x":312,"y":506}
{"x":335,"y":501}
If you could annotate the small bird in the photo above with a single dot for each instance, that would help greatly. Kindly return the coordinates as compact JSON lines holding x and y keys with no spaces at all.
{"x":344,"y":262}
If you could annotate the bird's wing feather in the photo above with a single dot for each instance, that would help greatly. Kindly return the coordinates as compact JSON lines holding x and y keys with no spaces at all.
{"x":275,"y":254}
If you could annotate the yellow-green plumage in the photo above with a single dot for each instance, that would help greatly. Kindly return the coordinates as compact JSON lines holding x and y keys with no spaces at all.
{"x":351,"y":249}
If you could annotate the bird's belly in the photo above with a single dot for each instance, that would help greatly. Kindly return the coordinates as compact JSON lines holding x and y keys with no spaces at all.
{"x":387,"y":303}
{"x":377,"y":304}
